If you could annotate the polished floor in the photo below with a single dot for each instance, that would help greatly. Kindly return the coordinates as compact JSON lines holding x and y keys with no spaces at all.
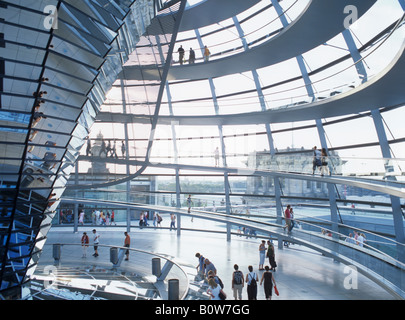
{"x":302,"y":274}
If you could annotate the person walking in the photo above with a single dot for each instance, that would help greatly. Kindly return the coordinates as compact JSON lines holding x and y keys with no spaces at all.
{"x":96,"y":241}
{"x":127,"y":243}
{"x":237,"y":282}
{"x":262,"y":254}
{"x":350,"y":239}
{"x":159,"y":220}
{"x":316,"y":162}
{"x":251,"y":280}
{"x":81,"y":217}
{"x":112,"y":220}
{"x":172,"y":221}
{"x":88,"y":148}
{"x":97,"y":213}
{"x":268,"y":279}
{"x":207,"y":54}
{"x":123,"y":149}
{"x":189,"y":204}
{"x":209,"y":266}
{"x":103,"y":148}
{"x":216,"y":156}
{"x":287,"y":216}
{"x":360,"y":239}
{"x":271,"y":255}
{"x":85,"y":244}
{"x":324,"y":162}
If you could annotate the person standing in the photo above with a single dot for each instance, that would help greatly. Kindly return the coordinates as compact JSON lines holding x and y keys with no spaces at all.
{"x":269,"y":281}
{"x":350,"y":239}
{"x":189,"y":204}
{"x":97,"y":213}
{"x":102,"y":218}
{"x":201,"y":264}
{"x":237,"y":282}
{"x":114,"y":150}
{"x":216,"y":156}
{"x":108,"y":149}
{"x":85,"y":244}
{"x":181,"y":54}
{"x":103,"y":148}
{"x":88,"y":148}
{"x":93,"y":217}
{"x":159,"y":220}
{"x":107,"y":218}
{"x":96,"y":241}
{"x":191,"y":59}
{"x":172,"y":221}
{"x":287,"y":216}
{"x":207,"y":54}
{"x":112,"y":218}
{"x":251,"y":280}
{"x":123,"y":149}
{"x":127,"y":243}
{"x":360,"y":239}
{"x":154,"y":219}
{"x":262,"y":254}
{"x":271,"y":255}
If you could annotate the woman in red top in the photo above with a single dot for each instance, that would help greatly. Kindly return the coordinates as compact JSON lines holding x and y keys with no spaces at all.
{"x":127,"y":243}
{"x":287,"y":216}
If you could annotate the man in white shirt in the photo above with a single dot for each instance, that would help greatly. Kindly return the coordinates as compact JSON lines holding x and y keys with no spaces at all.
{"x":360,"y":240}
{"x":96,"y":240}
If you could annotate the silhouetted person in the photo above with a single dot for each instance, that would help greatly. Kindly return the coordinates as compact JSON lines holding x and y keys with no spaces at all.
{"x":191,"y":58}
{"x":181,"y":54}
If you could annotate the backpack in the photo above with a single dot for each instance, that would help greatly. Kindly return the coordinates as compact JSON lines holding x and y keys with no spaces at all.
{"x":237,"y":277}
{"x":253,"y":281}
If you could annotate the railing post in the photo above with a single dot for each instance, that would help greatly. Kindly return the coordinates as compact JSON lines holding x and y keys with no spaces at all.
{"x":114,"y":255}
{"x":156,"y":268}
{"x":173,"y":289}
{"x":56,"y":253}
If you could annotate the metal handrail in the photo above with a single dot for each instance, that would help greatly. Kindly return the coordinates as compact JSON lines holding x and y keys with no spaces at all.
{"x":187,"y":284}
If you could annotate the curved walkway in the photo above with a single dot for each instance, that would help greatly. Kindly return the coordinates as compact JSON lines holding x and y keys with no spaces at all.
{"x":381,"y":268}
{"x":302,"y":274}
{"x":320,"y":22}
{"x":389,"y":187}
{"x":382,"y":90}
